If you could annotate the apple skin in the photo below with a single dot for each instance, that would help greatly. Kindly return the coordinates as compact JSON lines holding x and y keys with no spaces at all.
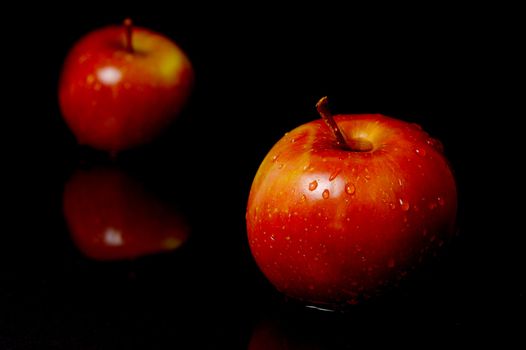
{"x":333,"y":227}
{"x":111,"y":217}
{"x":113,"y":99}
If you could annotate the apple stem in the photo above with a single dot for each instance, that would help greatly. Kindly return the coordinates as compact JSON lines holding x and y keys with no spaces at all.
{"x":128,"y":26}
{"x":323,"y":109}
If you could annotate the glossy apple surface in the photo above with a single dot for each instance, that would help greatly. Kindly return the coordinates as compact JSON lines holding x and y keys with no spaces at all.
{"x":332,"y":226}
{"x":121,"y":86}
{"x":111,"y":217}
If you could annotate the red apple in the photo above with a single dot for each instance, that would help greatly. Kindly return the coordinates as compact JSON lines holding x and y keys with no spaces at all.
{"x":122,"y":85}
{"x":111,"y":217}
{"x":339,"y":211}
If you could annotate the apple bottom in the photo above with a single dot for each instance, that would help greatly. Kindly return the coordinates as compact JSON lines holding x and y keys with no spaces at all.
{"x":329,"y":265}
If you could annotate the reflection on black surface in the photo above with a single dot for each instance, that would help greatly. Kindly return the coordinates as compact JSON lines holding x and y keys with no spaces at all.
{"x":276,"y":335}
{"x":112,"y":217}
{"x":303,"y":330}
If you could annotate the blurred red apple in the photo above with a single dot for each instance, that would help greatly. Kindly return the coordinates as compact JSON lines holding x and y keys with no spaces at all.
{"x":122,"y":85}
{"x":111,"y":217}
{"x":339,"y":211}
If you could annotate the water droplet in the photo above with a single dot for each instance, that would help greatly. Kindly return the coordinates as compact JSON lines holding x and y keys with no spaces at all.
{"x":391,"y":263}
{"x":400,"y":182}
{"x":325,"y":194}
{"x":273,"y":237}
{"x":421,"y":152}
{"x":280,"y":166}
{"x":275,"y":158}
{"x":432,"y":205}
{"x":441,"y":201}
{"x":313,"y":185}
{"x":90,"y":79}
{"x":334,"y":174}
{"x":436,"y":144}
{"x":392,"y":206}
{"x":350,"y":189}
{"x":367,"y":177}
{"x":404,"y":204}
{"x":287,"y":238}
{"x":303,"y":198}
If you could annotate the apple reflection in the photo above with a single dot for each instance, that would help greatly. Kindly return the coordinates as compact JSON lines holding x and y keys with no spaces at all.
{"x":112,"y":217}
{"x":278,"y":334}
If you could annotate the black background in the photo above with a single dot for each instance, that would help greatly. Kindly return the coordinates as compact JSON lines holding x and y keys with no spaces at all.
{"x":259,"y":73}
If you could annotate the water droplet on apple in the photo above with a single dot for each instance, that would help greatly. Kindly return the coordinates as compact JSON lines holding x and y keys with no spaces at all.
{"x":391,"y":263}
{"x":280,"y":166}
{"x":367,"y":177}
{"x":303,"y":198}
{"x":350,"y":189}
{"x":392,"y":206}
{"x":432,"y":205}
{"x":436,"y":144}
{"x":325,"y":194}
{"x":334,"y":174}
{"x":272,"y":237}
{"x":275,"y":158}
{"x":90,"y":79}
{"x":441,"y":201}
{"x":404,"y":204}
{"x":421,"y":152}
{"x":313,"y":185}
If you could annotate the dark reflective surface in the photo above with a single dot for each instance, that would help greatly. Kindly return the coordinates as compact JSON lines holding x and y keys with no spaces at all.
{"x":256,"y":79}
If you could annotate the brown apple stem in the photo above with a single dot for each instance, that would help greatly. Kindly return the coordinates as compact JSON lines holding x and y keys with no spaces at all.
{"x":353,"y":144}
{"x":323,"y":109}
{"x":128,"y":26}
